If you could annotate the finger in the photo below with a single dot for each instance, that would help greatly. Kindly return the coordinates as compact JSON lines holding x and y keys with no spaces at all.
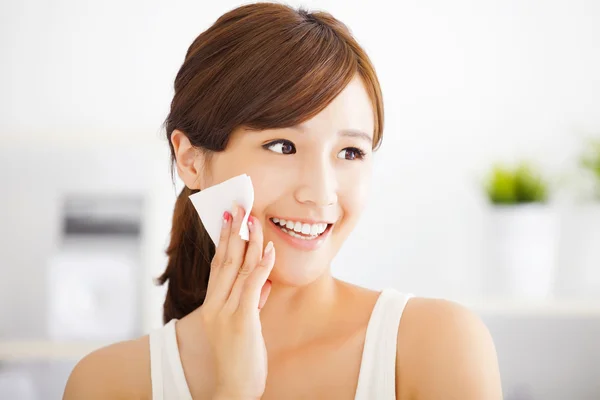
{"x":251,"y":260}
{"x":251,"y":294}
{"x":236,"y":248}
{"x":220,"y":253}
{"x":264,"y":294}
{"x":221,"y":250}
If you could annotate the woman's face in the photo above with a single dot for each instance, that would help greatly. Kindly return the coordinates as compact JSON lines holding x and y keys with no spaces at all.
{"x":310,"y":182}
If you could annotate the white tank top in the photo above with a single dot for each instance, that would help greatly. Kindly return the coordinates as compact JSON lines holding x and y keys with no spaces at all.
{"x":376,"y":379}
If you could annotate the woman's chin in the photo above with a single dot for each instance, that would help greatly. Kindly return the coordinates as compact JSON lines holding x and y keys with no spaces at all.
{"x":294,"y":274}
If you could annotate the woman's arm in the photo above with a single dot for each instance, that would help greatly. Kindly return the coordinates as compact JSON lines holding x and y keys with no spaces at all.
{"x":445,"y":352}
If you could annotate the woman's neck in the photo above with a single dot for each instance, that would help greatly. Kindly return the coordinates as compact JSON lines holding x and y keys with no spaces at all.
{"x":293,"y":316}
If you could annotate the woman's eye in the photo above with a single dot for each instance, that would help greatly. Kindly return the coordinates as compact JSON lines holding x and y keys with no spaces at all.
{"x":351,"y":153}
{"x":281,"y":146}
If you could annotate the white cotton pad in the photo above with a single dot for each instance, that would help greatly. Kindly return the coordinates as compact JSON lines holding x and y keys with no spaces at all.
{"x":213,"y":201}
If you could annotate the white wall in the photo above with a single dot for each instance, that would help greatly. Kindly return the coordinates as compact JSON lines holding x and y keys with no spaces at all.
{"x":465,"y":83}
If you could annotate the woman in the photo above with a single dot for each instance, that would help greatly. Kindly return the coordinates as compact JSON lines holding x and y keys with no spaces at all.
{"x":289,"y":98}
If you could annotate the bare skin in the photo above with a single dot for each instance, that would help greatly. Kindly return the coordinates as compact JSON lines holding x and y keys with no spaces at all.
{"x":313,"y":324}
{"x":462,"y":366}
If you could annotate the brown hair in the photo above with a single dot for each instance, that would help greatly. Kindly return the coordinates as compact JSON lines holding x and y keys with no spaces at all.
{"x":261,"y":66}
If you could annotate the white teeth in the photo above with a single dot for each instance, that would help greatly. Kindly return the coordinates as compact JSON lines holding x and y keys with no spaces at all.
{"x":305,"y":229}
{"x":314,"y":229}
{"x":292,"y":227}
{"x":297,"y":235}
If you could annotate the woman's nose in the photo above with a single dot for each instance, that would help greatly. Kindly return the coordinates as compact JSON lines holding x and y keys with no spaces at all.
{"x":317,"y":185}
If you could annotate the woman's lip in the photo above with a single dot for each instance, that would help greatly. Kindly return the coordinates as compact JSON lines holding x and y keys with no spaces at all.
{"x":307,"y":245}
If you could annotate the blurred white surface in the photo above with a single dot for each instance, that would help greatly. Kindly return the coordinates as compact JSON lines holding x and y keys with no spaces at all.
{"x":17,"y":385}
{"x":581,"y":251}
{"x":92,"y":295}
{"x":523,"y":245}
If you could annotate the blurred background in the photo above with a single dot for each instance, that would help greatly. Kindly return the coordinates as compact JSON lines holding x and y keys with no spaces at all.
{"x":486,"y":188}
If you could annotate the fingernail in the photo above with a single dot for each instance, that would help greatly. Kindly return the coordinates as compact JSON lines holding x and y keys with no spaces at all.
{"x":234,"y":209}
{"x":226,"y":217}
{"x":251,"y":226}
{"x":268,"y":249}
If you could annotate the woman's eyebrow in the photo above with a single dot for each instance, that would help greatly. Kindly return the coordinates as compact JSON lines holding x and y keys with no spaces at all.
{"x":348,"y":132}
{"x":355,"y":133}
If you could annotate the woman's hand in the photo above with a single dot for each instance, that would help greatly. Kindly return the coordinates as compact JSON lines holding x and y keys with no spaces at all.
{"x":237,"y":289}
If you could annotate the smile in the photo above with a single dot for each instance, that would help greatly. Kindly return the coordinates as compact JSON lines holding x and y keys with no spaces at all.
{"x":306,"y":236}
{"x":299,"y":229}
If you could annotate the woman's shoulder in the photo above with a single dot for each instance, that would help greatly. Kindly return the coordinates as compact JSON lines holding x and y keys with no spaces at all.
{"x":438,"y":320}
{"x":119,"y":370}
{"x":440,"y":343}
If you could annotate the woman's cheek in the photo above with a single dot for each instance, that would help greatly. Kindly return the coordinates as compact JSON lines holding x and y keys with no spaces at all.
{"x":269,"y":182}
{"x":355,"y":188}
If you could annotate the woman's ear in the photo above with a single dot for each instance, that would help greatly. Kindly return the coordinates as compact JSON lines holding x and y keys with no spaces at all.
{"x":189,"y":160}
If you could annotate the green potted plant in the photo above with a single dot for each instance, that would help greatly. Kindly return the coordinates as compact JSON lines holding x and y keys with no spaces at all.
{"x":522,"y":184}
{"x":523,"y":232}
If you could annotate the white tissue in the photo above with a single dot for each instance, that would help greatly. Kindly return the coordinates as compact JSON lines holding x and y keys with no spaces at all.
{"x":213,"y":201}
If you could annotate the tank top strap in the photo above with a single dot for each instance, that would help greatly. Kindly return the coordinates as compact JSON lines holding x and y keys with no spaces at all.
{"x":377,"y":376}
{"x":168,"y":377}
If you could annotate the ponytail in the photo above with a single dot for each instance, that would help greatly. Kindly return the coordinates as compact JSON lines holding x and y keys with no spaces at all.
{"x":190,"y":253}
